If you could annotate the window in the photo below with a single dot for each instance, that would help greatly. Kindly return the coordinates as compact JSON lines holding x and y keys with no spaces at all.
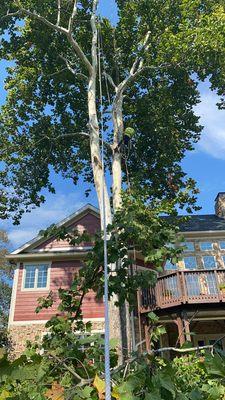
{"x":170,"y":266}
{"x":189,"y":246}
{"x":209,"y":262}
{"x":190,"y":262}
{"x":222,"y":245}
{"x":36,"y":276}
{"x":206,"y":246}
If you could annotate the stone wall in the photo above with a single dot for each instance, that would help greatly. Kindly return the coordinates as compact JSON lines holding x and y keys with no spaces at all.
{"x":21,"y":334}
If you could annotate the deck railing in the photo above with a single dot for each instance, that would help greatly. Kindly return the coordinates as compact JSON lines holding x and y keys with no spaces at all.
{"x":182,"y":287}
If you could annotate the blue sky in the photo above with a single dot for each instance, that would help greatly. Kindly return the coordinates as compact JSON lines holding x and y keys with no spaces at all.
{"x":206,"y":164}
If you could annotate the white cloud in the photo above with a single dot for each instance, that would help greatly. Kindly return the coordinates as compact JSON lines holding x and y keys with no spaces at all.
{"x":54,"y":210}
{"x":213,"y":120}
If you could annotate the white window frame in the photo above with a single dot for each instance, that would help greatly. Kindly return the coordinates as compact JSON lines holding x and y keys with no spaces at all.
{"x":35,"y":288}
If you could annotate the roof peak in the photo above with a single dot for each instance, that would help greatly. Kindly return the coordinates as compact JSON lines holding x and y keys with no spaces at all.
{"x":80,"y":211}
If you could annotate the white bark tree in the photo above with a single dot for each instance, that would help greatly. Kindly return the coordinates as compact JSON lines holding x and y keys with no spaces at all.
{"x":94,"y":133}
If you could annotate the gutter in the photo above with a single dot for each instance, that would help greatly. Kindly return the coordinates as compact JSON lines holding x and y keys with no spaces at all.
{"x":47,"y":255}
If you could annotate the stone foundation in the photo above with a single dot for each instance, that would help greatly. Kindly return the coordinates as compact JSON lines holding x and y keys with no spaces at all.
{"x":19,"y":335}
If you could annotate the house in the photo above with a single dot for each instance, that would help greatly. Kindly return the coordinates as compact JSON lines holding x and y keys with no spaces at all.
{"x":47,"y":264}
{"x":188,"y":297}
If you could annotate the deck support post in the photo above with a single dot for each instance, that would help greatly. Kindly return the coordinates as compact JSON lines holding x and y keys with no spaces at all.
{"x":181,"y":335}
{"x":186,"y":327}
{"x":147,"y":336}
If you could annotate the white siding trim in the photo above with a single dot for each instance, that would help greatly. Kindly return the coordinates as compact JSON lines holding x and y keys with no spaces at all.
{"x":13,"y":295}
{"x":25,"y":323}
{"x":39,"y":322}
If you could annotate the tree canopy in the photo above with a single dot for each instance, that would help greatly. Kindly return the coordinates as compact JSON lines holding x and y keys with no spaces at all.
{"x":158,"y":56}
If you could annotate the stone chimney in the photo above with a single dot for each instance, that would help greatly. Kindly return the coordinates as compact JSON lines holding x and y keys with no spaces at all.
{"x":220,"y":205}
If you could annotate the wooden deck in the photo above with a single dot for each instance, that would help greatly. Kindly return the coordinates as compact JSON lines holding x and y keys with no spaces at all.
{"x":183,"y":287}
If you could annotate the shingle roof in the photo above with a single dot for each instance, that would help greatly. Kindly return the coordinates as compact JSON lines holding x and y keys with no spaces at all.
{"x":208,"y":222}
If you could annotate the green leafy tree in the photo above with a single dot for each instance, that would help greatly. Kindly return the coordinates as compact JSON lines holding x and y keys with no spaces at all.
{"x":6,"y":274}
{"x":151,"y":62}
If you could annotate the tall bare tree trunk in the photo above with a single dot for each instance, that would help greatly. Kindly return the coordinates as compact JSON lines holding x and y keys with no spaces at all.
{"x":120,"y":318}
{"x":98,"y":173}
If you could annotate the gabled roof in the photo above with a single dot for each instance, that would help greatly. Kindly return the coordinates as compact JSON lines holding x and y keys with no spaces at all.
{"x":65,"y":222}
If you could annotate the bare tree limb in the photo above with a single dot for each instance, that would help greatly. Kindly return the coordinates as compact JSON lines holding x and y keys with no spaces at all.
{"x":110,"y":79}
{"x":66,"y":135}
{"x":59,"y":13}
{"x":176,"y":350}
{"x":56,"y":72}
{"x":71,"y":370}
{"x":78,"y":50}
{"x":39,"y":17}
{"x":139,"y":60}
{"x":70,"y":68}
{"x":73,"y":16}
{"x":94,"y":35}
{"x":85,"y":134}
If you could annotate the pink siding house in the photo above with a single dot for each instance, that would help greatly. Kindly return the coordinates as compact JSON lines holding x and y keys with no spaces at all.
{"x":47,"y":265}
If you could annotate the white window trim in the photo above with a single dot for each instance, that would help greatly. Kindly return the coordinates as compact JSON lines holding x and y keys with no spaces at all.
{"x":36,"y":289}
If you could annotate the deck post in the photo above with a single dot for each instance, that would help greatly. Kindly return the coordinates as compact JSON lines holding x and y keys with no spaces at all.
{"x":181,"y":335}
{"x":147,"y":336}
{"x":186,"y":327}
